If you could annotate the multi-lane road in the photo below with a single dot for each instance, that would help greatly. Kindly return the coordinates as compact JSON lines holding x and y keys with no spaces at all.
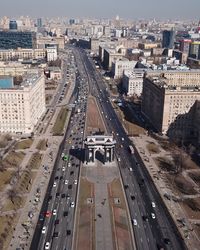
{"x":152,"y":225}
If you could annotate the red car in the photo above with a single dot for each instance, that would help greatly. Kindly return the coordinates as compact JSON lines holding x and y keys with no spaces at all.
{"x":48,"y":214}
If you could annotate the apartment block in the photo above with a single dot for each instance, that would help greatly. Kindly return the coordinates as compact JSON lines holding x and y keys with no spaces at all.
{"x":169,"y":94}
{"x":22,"y":106}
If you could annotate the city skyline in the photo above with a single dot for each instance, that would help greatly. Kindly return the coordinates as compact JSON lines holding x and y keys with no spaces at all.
{"x":103,"y":9}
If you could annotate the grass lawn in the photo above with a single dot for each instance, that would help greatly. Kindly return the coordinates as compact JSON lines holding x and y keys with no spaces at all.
{"x":13,"y":159}
{"x":35,"y":161}
{"x":42,"y":144}
{"x":24,"y":144}
{"x":60,"y":122}
{"x":5,"y":177}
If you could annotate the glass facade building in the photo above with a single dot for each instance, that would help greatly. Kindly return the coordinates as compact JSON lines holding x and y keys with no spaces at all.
{"x":17,"y":39}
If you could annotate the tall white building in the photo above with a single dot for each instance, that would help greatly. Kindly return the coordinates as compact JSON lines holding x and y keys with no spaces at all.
{"x":22,"y":106}
{"x":133,"y":82}
{"x":119,"y":66}
{"x":52,"y":54}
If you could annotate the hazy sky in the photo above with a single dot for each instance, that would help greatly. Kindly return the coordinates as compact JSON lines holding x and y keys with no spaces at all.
{"x":130,"y":9}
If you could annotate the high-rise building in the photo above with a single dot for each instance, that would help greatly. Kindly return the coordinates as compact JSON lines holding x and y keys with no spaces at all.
{"x":13,"y":25}
{"x":17,"y":39}
{"x":194,"y":50}
{"x":21,"y":107}
{"x":39,"y":22}
{"x":185,"y":45}
{"x":168,"y":39}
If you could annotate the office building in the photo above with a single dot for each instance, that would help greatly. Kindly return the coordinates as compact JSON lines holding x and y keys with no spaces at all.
{"x":52,"y":54}
{"x":168,"y":95}
{"x":194,"y":51}
{"x":22,"y":106}
{"x":12,"y":25}
{"x":168,"y":39}
{"x":17,"y":39}
{"x":39,"y":22}
{"x":185,"y":45}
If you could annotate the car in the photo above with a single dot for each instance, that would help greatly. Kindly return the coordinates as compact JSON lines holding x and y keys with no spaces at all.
{"x":118,"y":159}
{"x":61,"y":177}
{"x":144,"y":217}
{"x":47,"y":245}
{"x":68,"y":232}
{"x":63,"y":169}
{"x":132,"y":197}
{"x":153,"y":216}
{"x":134,"y":222}
{"x":66,"y":182}
{"x":71,"y":173}
{"x":131,"y":169}
{"x":72,"y":204}
{"x":122,"y":138}
{"x":48,"y":214}
{"x":57,"y":194}
{"x":55,"y":234}
{"x":125,"y":186}
{"x":65,"y":213}
{"x":70,"y":186}
{"x":167,"y":241}
{"x":153,"y":204}
{"x":75,"y":182}
{"x":44,"y":229}
{"x":54,"y":184}
{"x":57,"y":222}
{"x":50,"y":197}
{"x":54,"y":212}
{"x":56,"y":178}
{"x":41,"y":217}
{"x":62,"y":195}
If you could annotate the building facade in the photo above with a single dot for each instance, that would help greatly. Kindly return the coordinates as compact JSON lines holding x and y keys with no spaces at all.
{"x":168,"y":39}
{"x":119,"y":66}
{"x":169,"y":95}
{"x":17,"y":39}
{"x":22,"y":106}
{"x":133,"y":82}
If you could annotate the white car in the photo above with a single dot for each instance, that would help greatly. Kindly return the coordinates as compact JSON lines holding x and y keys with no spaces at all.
{"x":54,"y":212}
{"x":118,"y":159}
{"x":44,"y":229}
{"x":134,"y":222}
{"x":47,"y":245}
{"x":54,"y":184}
{"x":75,"y":182}
{"x":122,"y":138}
{"x":131,"y":169}
{"x":153,"y":204}
{"x":66,"y":182}
{"x":63,"y":169}
{"x":153,"y":216}
{"x":72,"y":204}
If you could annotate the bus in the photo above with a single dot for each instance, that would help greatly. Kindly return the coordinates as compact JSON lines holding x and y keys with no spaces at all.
{"x":131,"y":149}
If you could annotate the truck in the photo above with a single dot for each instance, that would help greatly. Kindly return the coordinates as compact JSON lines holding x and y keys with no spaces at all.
{"x":131,"y":149}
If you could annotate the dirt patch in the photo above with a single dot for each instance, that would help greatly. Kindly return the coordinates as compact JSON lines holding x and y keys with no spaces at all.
{"x":35,"y":161}
{"x":120,"y":222}
{"x":153,"y":148}
{"x":13,"y":159}
{"x":94,"y":121}
{"x":197,"y":229}
{"x":165,"y":164}
{"x":184,"y":186}
{"x":195,"y":177}
{"x":42,"y":144}
{"x":85,"y":233}
{"x":5,"y":178}
{"x":23,"y":144}
{"x":192,"y":208}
